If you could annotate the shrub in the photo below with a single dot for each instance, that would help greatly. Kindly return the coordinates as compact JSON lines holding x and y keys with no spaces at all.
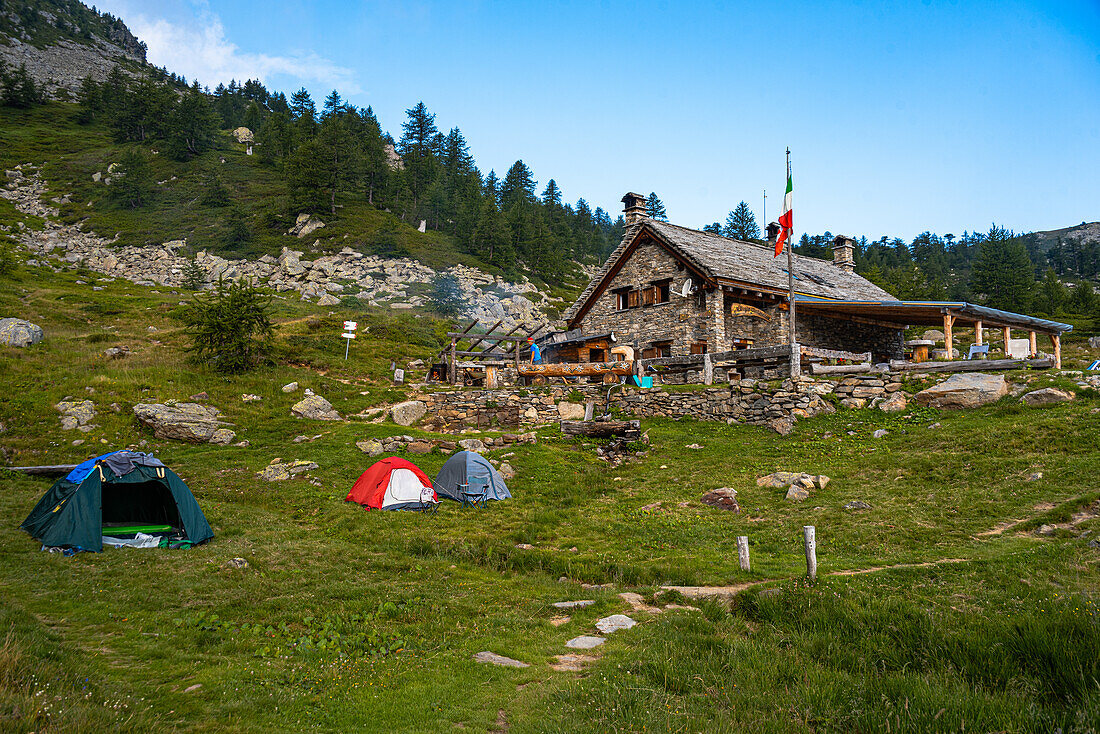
{"x":230,"y":328}
{"x":132,"y":181}
{"x":9,"y":262}
{"x":446,"y":295}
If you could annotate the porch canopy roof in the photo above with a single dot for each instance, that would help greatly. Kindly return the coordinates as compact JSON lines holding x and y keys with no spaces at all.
{"x":925,"y":313}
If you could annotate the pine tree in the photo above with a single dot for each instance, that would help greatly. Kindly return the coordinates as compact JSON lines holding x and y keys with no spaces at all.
{"x":1084,"y":299}
{"x":214,"y":193}
{"x":334,"y":105}
{"x":132,"y":182}
{"x":417,"y":149}
{"x":237,"y":231}
{"x":713,"y":228}
{"x":1052,"y":294}
{"x":655,"y":208}
{"x":230,"y":328}
{"x":551,"y":196}
{"x":1002,"y":272}
{"x":340,"y":161}
{"x":518,"y":186}
{"x":193,"y":126}
{"x":741,"y":224}
{"x":90,"y":100}
{"x":193,"y":276}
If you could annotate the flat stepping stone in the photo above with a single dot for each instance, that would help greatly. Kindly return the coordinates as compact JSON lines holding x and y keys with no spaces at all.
{"x":637,"y":602}
{"x":614,"y":623}
{"x":572,"y":662}
{"x":560,"y":619}
{"x":492,"y":657}
{"x":585,"y":642}
{"x":683,"y":606}
{"x":573,"y":604}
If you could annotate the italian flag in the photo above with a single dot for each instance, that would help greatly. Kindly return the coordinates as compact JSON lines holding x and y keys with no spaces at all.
{"x":786,"y":219}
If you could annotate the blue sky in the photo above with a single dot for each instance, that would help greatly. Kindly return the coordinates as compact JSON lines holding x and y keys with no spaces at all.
{"x":901,"y":116}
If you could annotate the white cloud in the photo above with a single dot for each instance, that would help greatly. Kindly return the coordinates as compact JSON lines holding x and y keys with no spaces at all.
{"x":201,"y":50}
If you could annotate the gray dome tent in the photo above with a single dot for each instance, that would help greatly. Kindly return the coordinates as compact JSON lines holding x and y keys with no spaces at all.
{"x":470,"y":467}
{"x":121,"y":493}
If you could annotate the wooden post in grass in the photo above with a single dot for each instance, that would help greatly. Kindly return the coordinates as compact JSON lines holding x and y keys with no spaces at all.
{"x":743,"y":552}
{"x":978,"y":333}
{"x":1056,"y":340}
{"x":948,"y":336}
{"x":1007,"y":337}
{"x":1032,"y":347}
{"x":590,"y":410}
{"x":811,"y":551}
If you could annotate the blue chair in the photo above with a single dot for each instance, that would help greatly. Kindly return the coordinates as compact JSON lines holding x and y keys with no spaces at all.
{"x":976,"y":349}
{"x":472,"y":497}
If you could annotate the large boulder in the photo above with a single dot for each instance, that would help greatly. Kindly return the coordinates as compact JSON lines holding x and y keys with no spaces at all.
{"x":19,"y":333}
{"x":370,"y":447}
{"x":243,"y":135}
{"x":966,"y":390}
{"x":408,"y":412}
{"x":280,"y":471}
{"x":893,"y":403}
{"x":189,"y":422}
{"x":1046,"y":396}
{"x":315,"y":407}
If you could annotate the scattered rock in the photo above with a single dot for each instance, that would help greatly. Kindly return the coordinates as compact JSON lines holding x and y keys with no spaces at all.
{"x":1046,"y":530}
{"x":797,"y":494}
{"x":305,"y":225}
{"x":573,"y":604}
{"x":573,"y":663}
{"x":280,"y":471}
{"x":853,"y":403}
{"x":652,"y":507}
{"x":857,"y":505}
{"x":506,"y":471}
{"x":559,"y":619}
{"x":192,"y":689}
{"x":1034,"y":476}
{"x":585,"y":642}
{"x":964,"y":390}
{"x":243,"y":135}
{"x":290,"y":387}
{"x":315,"y":407}
{"x":637,"y":602}
{"x":408,"y":412}
{"x":894,"y":403}
{"x":328,"y":300}
{"x":76,"y":414}
{"x":492,"y":657}
{"x":724,"y":498}
{"x":236,"y":563}
{"x":188,"y":422}
{"x":1047,"y":396}
{"x":933,"y":335}
{"x":880,"y":433}
{"x":783,"y":426}
{"x":420,"y":447}
{"x":614,"y":623}
{"x":250,"y":398}
{"x":370,"y":447}
{"x":20,"y":333}
{"x":472,"y":444}
{"x":222,"y":437}
{"x":116,"y":352}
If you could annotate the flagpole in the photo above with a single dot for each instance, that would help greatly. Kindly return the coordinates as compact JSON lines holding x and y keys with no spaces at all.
{"x":796,"y":358}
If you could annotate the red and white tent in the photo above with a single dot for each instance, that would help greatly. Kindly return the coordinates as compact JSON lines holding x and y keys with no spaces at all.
{"x":393,"y":484}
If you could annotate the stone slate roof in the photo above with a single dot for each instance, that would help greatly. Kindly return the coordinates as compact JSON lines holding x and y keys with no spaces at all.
{"x":721,"y":257}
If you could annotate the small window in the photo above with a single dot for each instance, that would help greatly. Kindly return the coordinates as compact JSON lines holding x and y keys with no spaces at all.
{"x":632,"y":299}
{"x":699,"y":347}
{"x":622,"y":302}
{"x":663,"y":349}
{"x":649,"y":296}
{"x":649,"y":353}
{"x":597,"y":355}
{"x":661,"y":291}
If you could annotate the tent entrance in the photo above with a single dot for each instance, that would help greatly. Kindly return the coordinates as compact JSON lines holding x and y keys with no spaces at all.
{"x":139,"y":504}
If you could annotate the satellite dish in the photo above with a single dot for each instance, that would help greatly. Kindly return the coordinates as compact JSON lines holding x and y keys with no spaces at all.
{"x":687,"y":288}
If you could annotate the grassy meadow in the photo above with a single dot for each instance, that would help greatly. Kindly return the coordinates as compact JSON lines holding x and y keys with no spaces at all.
{"x":351,"y":620}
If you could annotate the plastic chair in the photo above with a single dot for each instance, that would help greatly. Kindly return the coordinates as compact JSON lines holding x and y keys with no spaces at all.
{"x":427,"y":501}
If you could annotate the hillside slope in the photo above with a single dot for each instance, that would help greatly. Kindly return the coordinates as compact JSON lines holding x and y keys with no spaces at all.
{"x":63,"y":41}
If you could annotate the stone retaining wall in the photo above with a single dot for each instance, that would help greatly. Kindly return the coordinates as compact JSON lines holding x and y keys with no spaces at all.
{"x":749,"y":401}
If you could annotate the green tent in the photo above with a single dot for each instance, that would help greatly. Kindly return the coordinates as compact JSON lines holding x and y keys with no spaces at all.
{"x":80,"y":509}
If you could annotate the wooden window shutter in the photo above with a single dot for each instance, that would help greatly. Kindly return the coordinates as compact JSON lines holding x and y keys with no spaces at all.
{"x":632,"y":299}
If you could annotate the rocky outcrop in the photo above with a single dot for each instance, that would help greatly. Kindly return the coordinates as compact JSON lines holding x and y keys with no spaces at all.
{"x":305,"y":225}
{"x":76,"y":414}
{"x":375,"y":281}
{"x":242,"y":135}
{"x":188,"y":422}
{"x":20,"y":333}
{"x":280,"y":471}
{"x":316,"y":408}
{"x":408,"y":412}
{"x":1046,"y":396}
{"x":965,"y":390}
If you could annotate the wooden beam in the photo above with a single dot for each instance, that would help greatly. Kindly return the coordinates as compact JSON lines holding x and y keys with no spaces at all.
{"x":54,"y":470}
{"x":602,"y":429}
{"x":452,"y":369}
{"x":464,"y":331}
{"x":1056,"y":339}
{"x":948,"y":337}
{"x":1007,"y":336}
{"x":835,"y":354}
{"x":978,"y":333}
{"x":488,"y":338}
{"x":781,"y":351}
{"x":976,"y":365}
{"x":1033,"y":350}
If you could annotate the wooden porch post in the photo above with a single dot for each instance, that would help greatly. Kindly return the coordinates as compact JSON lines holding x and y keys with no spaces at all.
{"x":1033,"y":351}
{"x":452,"y":368}
{"x":948,"y":339}
{"x":1056,"y":339}
{"x":1007,"y":338}
{"x":978,"y":333}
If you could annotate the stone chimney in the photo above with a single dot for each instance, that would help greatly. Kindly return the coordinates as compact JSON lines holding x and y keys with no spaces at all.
{"x":633,"y":208}
{"x":844,"y":249}
{"x":773,"y":232}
